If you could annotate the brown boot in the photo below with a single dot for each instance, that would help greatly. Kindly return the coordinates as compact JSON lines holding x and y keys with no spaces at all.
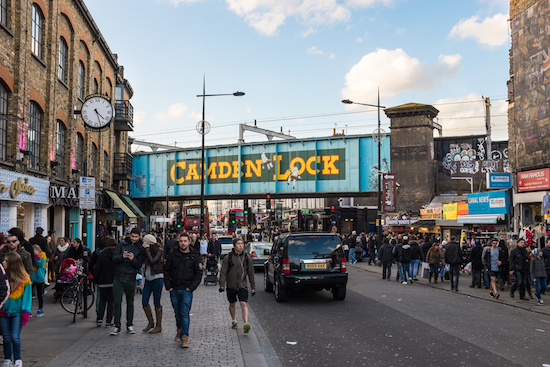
{"x":185,"y":341}
{"x":149,"y":315}
{"x":177,"y":338}
{"x":158,"y":328}
{"x":435,"y":278}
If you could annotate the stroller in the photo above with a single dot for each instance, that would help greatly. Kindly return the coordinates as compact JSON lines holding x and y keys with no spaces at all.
{"x":139,"y":282}
{"x":211,"y":271}
{"x":65,"y":278}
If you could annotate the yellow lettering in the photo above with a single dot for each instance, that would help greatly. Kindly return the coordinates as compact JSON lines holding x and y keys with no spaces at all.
{"x":235,"y":169}
{"x":302,"y":164}
{"x":212,"y":170}
{"x":192,"y":173}
{"x":224,"y":166}
{"x":253,"y":166}
{"x":180,"y":180}
{"x":328,"y":164}
{"x":284,"y":176}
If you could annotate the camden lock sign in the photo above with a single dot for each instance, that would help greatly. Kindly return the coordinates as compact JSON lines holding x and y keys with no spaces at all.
{"x":18,"y":187}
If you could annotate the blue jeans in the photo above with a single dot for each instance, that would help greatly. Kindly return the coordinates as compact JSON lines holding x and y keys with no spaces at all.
{"x":399,"y":271}
{"x":414,"y":268}
{"x":154,"y":286}
{"x":541,"y":286}
{"x":406,"y":271}
{"x":11,"y":331}
{"x":386,"y":267}
{"x":352,"y":258}
{"x":181,"y":302}
{"x":521,"y":283}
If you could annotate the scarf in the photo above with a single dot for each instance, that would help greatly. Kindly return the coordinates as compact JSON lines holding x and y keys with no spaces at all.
{"x":63,"y":248}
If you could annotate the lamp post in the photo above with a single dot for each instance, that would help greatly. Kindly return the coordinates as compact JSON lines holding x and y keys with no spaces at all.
{"x":203,"y":127}
{"x":379,"y":214}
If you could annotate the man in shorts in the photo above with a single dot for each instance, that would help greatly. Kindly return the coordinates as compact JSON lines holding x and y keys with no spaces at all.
{"x":236,"y":267}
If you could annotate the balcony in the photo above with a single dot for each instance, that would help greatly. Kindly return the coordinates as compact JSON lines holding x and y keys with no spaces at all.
{"x":122,"y":169}
{"x":124,"y":116}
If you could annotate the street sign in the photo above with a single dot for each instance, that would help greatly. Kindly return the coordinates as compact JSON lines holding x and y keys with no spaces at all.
{"x":390,"y":193}
{"x":87,"y":193}
{"x":305,"y":211}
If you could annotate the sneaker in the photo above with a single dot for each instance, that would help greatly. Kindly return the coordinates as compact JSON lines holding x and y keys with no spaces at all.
{"x":130,"y":330}
{"x":541,"y":302}
{"x":18,"y":363}
{"x":115,"y":332}
{"x":234,"y":324}
{"x":99,"y":323}
{"x":403,"y":282}
{"x":246,"y":327}
{"x":109,"y":324}
{"x":39,"y":313}
{"x":45,"y":292}
{"x":7,"y":363}
{"x":497,"y":295}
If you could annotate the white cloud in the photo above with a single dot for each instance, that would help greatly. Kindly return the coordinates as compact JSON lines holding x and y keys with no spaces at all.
{"x":309,"y":31}
{"x":359,"y":39}
{"x":490,"y":32}
{"x":332,"y":56}
{"x":394,"y":72}
{"x":266,"y":16}
{"x":466,"y":116}
{"x":139,"y":117}
{"x":248,"y":110}
{"x":401,"y":31}
{"x":177,"y":2}
{"x":174,"y":112}
{"x":314,"y":50}
{"x":196,"y":116}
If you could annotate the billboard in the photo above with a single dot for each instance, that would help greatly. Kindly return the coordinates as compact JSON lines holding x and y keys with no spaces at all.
{"x":343,"y":164}
{"x":490,"y":202}
{"x":499,"y":180}
{"x":538,"y":179}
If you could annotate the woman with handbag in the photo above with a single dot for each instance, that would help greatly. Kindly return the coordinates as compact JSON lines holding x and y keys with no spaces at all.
{"x":433,"y":257}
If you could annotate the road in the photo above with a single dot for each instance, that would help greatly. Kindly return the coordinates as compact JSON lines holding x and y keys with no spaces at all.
{"x":383,"y":323}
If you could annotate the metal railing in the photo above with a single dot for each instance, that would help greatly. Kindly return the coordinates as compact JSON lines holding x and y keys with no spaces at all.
{"x":123,"y":164}
{"x":124,"y":111}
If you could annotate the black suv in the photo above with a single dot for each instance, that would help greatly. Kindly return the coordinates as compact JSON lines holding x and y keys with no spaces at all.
{"x":311,"y":261}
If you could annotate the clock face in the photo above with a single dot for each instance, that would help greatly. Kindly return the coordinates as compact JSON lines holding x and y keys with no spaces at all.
{"x":97,"y":112}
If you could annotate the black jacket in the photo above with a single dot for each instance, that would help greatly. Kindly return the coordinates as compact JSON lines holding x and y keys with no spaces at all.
{"x":475,"y":258}
{"x":41,"y":241}
{"x":416,"y":252}
{"x":126,"y":269}
{"x":215,"y":248}
{"x":385,"y":253}
{"x":397,"y":251}
{"x":519,"y":261}
{"x":546,"y":256}
{"x":406,"y":254}
{"x":182,"y":270}
{"x":104,"y":270}
{"x":453,"y":254}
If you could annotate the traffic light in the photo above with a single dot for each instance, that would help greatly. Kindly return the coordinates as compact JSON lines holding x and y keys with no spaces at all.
{"x":246,"y":211}
{"x":232,"y":218}
{"x":268,"y":202}
{"x":333,"y":216}
{"x":179,"y":220}
{"x":300,"y":219}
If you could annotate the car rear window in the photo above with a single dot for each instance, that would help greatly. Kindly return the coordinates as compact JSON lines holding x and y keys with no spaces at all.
{"x":226,"y":241}
{"x":312,"y":245}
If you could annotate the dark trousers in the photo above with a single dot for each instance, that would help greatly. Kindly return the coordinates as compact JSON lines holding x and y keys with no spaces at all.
{"x":106,"y":300}
{"x":520,"y":282}
{"x":386,"y":266}
{"x":119,"y":288}
{"x":372,"y":255}
{"x":476,"y":277}
{"x":454,"y":274}
{"x":39,"y":293}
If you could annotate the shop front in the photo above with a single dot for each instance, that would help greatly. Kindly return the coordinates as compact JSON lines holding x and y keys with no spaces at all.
{"x":24,"y":202}
{"x":63,"y":212}
{"x":121,"y":219}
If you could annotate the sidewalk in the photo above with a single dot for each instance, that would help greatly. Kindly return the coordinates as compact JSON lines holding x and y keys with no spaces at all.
{"x":464,"y":289}
{"x":53,"y":340}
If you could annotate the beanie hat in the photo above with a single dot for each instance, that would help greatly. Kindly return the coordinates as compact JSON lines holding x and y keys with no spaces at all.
{"x":150,"y":239}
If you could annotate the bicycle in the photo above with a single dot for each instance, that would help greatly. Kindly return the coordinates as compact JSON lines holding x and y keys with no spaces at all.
{"x":79,"y":297}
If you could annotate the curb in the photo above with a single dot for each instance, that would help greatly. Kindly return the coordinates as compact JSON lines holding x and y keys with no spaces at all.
{"x":537,"y":310}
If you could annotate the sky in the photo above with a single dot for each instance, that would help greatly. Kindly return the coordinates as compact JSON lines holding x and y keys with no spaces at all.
{"x":297,"y":59}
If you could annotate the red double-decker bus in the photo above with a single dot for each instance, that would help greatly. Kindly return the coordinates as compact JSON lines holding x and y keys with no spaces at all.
{"x":239,"y":219}
{"x":192,"y":219}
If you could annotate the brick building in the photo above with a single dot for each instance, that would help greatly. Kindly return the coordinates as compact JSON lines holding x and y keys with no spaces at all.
{"x":52,"y":56}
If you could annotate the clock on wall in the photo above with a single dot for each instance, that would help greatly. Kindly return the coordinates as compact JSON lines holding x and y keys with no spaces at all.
{"x":97,"y":112}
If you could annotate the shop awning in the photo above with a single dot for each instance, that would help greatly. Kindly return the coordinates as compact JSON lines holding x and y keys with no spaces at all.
{"x":426,"y":223}
{"x":478,"y":219}
{"x":118,"y":202}
{"x":133,"y":205}
{"x":448,"y":223}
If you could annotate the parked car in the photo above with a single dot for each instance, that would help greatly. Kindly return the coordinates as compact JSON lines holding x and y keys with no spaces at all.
{"x":259,"y":252}
{"x":309,"y":261}
{"x":227,"y":244}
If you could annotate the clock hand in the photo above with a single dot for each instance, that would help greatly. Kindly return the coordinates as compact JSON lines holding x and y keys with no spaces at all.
{"x":98,"y":121}
{"x":98,"y":113}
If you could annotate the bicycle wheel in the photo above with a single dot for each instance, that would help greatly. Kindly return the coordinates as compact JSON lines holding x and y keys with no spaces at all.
{"x":78,"y":303}
{"x":68,"y":298}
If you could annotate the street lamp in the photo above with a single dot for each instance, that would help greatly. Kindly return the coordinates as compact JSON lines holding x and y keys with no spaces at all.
{"x":379,"y":214}
{"x":203,"y":128}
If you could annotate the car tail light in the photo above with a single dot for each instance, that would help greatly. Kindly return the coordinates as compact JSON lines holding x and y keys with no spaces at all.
{"x":253,"y":254}
{"x":343,"y":265}
{"x":286,"y":266}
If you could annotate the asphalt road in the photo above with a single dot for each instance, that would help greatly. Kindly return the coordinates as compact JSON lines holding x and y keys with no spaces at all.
{"x":383,"y":323}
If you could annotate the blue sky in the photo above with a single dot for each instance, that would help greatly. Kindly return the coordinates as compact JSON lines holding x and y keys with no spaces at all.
{"x":297,"y":59}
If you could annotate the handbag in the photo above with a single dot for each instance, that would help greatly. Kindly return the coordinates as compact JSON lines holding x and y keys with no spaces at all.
{"x":431,"y":262}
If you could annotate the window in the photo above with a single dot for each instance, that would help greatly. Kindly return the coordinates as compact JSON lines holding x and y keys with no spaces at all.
{"x":79,"y":151}
{"x":3,"y":121}
{"x":95,"y":89}
{"x":93,"y":160}
{"x":81,"y":79}
{"x":4,"y":12}
{"x":33,"y":135}
{"x":63,"y":52}
{"x":37,"y":29}
{"x":109,"y":88}
{"x":105,"y":165}
{"x":60,"y":149}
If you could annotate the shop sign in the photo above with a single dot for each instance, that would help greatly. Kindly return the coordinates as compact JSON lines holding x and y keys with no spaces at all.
{"x":538,"y":179}
{"x":462,"y":208}
{"x":490,"y":202}
{"x":450,"y":211}
{"x":19,"y":187}
{"x":390,"y":193}
{"x":400,"y":222}
{"x":434,"y":213}
{"x":63,"y":192}
{"x":87,"y":193}
{"x":499,"y":180}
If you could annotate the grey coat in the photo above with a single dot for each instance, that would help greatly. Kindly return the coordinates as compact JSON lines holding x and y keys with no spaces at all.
{"x":537,"y":268}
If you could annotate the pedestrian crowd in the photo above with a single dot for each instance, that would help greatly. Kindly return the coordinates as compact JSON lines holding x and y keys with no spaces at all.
{"x":492,"y":264}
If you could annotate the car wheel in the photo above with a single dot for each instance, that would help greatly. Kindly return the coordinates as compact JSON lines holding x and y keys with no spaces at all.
{"x":280,"y":291}
{"x":339,"y":293}
{"x":268,"y":287}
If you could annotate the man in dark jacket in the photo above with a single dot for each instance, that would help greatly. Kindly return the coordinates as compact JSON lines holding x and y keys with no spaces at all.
{"x":453,"y":257}
{"x":385,"y":256}
{"x":17,"y":232}
{"x":13,"y":245}
{"x":477,"y":264}
{"x":128,"y":258}
{"x":519,"y":265}
{"x":214,"y":247}
{"x":405,"y":260}
{"x":104,"y":274}
{"x":182,"y":275}
{"x":40,"y":240}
